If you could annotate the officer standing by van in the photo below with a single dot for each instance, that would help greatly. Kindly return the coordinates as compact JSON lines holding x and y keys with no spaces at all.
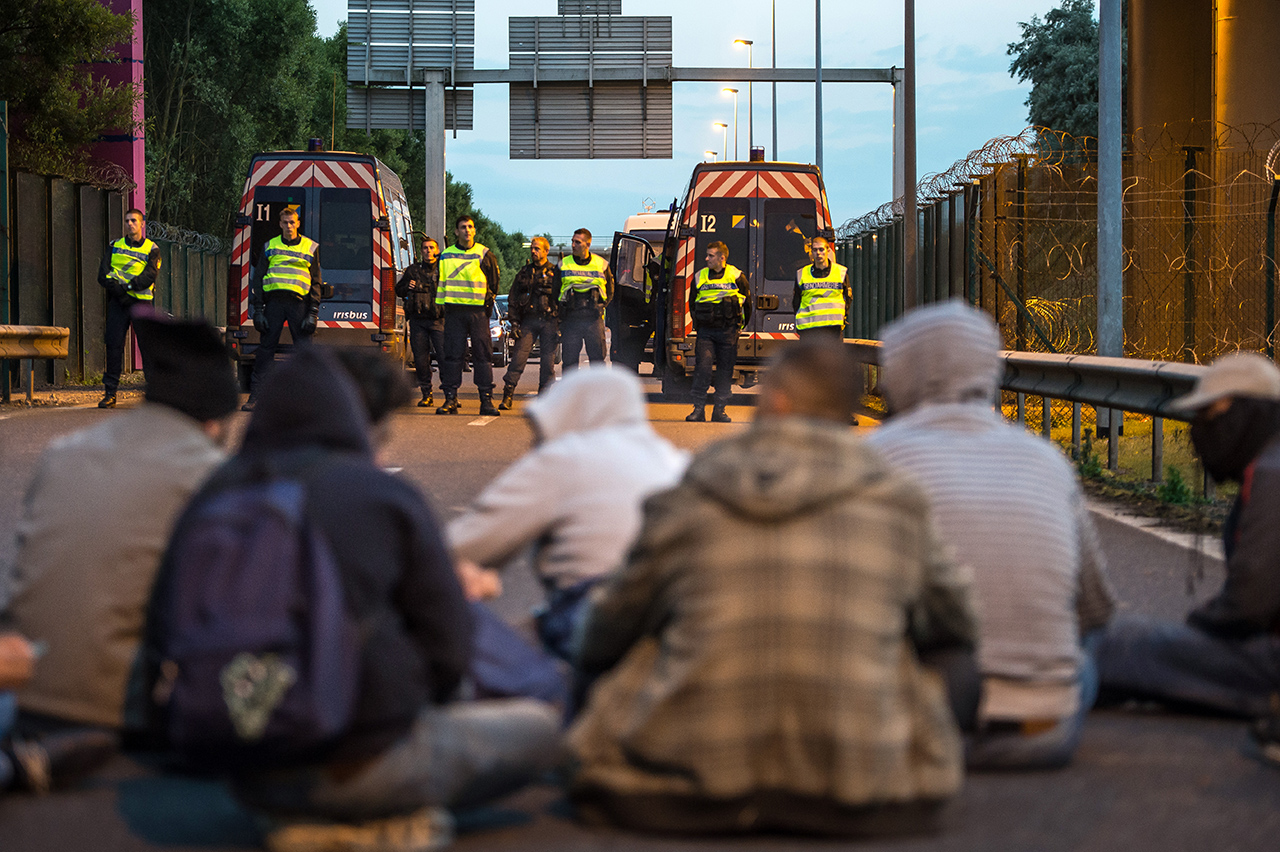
{"x":533,"y":308}
{"x":586,"y":288}
{"x":721,"y":301}
{"x":284,"y":287}
{"x":419,"y":287}
{"x":822,"y":293}
{"x":128,"y":272}
{"x":469,"y":278}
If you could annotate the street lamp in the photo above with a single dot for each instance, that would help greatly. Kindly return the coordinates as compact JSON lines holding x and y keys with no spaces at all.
{"x":724,"y":136}
{"x":751,"y":121}
{"x":733,"y":92}
{"x":711,"y":154}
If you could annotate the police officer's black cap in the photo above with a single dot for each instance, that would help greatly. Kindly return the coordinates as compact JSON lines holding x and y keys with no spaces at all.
{"x":188,"y":367}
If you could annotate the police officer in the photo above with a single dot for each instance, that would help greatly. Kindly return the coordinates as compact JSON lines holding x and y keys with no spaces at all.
{"x":822,"y":293}
{"x":469,"y":278}
{"x":533,"y":309}
{"x":721,"y":307}
{"x":586,"y":288}
{"x":128,"y":272}
{"x":418,"y":287}
{"x":284,"y":287}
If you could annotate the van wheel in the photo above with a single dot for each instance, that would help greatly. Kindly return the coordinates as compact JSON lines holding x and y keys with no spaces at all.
{"x":676,"y":386}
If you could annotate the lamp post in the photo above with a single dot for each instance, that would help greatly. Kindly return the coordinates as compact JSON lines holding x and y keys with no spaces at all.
{"x":773,"y":48}
{"x":724,"y":136}
{"x":751,"y":121}
{"x":733,"y":92}
{"x":711,"y":154}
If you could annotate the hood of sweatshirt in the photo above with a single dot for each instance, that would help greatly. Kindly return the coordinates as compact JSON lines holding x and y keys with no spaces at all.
{"x":308,"y":400}
{"x":590,"y":399}
{"x":785,"y":466}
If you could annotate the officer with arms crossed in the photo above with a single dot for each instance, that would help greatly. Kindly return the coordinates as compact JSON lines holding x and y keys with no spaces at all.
{"x":469,"y":278}
{"x":128,"y":272}
{"x":284,"y":287}
{"x":721,"y":301}
{"x":586,"y":288}
{"x":419,"y":287}
{"x":534,"y":314}
{"x":822,"y":293}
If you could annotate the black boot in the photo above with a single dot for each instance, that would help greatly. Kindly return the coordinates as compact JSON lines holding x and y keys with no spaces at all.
{"x":699,"y":413}
{"x":508,"y":399}
{"x":486,"y":405}
{"x":108,"y":400}
{"x":427,"y":399}
{"x":719,"y":415}
{"x":450,"y":404}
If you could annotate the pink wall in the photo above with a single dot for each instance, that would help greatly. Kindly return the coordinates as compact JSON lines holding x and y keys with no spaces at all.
{"x":124,"y":147}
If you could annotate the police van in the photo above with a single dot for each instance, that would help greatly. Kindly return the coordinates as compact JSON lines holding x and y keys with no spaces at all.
{"x":766,"y":213}
{"x":355,"y":208}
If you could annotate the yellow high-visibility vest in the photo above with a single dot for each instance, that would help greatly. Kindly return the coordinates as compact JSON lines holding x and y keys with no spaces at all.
{"x":289,"y":267}
{"x":127,"y":263}
{"x":462,"y":280}
{"x":821,"y":298}
{"x":583,"y":278}
{"x":718,"y":289}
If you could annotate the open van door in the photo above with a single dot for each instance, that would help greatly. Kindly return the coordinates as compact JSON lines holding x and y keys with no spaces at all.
{"x":630,"y":315}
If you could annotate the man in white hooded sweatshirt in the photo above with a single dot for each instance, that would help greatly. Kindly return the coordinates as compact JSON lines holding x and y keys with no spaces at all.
{"x":576,"y":496}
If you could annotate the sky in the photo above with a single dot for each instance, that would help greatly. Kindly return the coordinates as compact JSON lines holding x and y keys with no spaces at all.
{"x":964,"y":96}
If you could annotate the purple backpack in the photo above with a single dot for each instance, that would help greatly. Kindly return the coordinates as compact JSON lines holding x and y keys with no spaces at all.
{"x":259,"y":656}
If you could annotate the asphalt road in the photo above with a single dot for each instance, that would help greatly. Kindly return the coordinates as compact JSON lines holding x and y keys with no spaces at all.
{"x":1144,"y":779}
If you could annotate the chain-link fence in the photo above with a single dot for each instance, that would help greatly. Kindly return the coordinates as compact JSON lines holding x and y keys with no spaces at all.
{"x":1013,"y":229}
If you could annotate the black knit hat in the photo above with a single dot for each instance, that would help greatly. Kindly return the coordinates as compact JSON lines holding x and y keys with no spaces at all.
{"x":187,"y":366}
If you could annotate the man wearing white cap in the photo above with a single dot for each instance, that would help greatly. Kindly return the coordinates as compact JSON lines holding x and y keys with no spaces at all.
{"x":1226,"y":658}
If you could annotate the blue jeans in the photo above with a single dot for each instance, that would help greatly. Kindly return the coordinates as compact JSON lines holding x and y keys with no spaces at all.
{"x":8,"y":715}
{"x":1143,"y":658}
{"x":1049,"y":749}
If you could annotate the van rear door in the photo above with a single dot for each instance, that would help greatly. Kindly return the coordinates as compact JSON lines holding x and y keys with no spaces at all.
{"x":346,"y":254}
{"x":785,"y":226}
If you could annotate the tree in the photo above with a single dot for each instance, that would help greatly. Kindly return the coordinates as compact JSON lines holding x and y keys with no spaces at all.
{"x":225,"y":79}
{"x":57,"y":107}
{"x":1059,"y":55}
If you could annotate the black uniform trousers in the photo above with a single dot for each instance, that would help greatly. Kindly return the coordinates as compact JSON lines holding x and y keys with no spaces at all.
{"x":579,"y":331}
{"x":462,"y":322}
{"x":426,"y":338}
{"x":544,"y":330}
{"x":718,"y":346}
{"x":119,"y":318}
{"x":280,"y":306}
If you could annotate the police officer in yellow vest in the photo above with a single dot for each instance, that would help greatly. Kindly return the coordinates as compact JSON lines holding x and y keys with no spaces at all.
{"x":721,"y":306}
{"x":128,"y":272}
{"x":284,"y":287}
{"x":822,"y":293}
{"x":586,"y":288}
{"x":469,"y":278}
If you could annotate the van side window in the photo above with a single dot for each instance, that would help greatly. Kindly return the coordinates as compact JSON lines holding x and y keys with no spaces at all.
{"x":346,"y":229}
{"x":788,"y":224}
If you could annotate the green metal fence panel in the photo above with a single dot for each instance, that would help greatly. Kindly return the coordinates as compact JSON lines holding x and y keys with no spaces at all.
{"x":63,"y":280}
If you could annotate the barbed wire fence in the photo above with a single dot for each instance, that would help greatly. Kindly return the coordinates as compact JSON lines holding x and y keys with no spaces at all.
{"x":1012,"y":228}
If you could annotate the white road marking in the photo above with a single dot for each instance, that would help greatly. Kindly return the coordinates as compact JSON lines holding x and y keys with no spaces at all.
{"x":482,"y":421}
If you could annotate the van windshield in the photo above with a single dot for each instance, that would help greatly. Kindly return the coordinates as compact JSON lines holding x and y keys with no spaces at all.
{"x":346,"y":229}
{"x":789,"y":223}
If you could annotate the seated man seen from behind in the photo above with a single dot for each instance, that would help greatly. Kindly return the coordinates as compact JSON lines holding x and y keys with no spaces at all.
{"x":757,"y":659}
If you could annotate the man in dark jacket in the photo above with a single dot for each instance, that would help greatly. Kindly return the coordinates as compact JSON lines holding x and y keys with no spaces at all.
{"x":721,"y":300}
{"x":426,"y":319}
{"x":1226,"y":658}
{"x":533,"y":309}
{"x":407,"y":752}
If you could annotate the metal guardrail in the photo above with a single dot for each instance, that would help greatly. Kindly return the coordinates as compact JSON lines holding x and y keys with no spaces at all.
{"x":31,"y":342}
{"x":1112,"y":384}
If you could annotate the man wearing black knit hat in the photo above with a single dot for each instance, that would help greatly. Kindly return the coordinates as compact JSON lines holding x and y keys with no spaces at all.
{"x":95,"y":523}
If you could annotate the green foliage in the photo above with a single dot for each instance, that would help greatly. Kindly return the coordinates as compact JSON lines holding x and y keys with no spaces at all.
{"x":225,"y":79}
{"x":1059,"y":55}
{"x":509,"y":247}
{"x":1089,"y":464}
{"x":1174,"y":489}
{"x":57,"y":107}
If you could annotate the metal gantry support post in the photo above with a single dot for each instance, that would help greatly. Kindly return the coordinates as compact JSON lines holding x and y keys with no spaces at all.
{"x":1110,"y":203}
{"x":433,"y":104}
{"x":910,"y":235}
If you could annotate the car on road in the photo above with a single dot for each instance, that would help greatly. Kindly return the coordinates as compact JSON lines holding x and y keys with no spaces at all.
{"x":500,"y":334}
